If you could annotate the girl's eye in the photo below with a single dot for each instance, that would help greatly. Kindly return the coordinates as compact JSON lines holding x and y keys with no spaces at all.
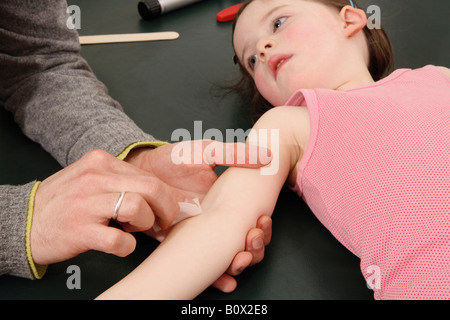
{"x":252,"y":61}
{"x":277,"y":24}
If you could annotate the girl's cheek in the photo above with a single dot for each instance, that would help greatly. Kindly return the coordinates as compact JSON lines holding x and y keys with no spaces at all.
{"x":269,"y":92}
{"x":262,"y":85}
{"x":301,"y":35}
{"x":298,"y":32}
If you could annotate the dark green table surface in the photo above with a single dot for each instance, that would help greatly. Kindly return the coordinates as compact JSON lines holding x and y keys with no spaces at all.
{"x":168,"y":85}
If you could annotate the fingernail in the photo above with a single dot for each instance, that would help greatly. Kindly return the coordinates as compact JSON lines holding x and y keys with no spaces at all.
{"x":257,"y":243}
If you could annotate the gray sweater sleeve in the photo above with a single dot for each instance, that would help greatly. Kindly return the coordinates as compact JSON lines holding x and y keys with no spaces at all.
{"x":56,"y":100}
{"x":54,"y":96}
{"x":13,"y":209}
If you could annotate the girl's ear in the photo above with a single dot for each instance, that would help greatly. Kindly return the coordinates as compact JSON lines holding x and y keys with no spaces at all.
{"x":354,"y":20}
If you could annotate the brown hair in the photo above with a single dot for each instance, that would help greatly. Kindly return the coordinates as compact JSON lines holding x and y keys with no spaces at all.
{"x":380,"y":60}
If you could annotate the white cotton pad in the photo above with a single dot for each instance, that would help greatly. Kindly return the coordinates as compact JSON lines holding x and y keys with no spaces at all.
{"x":187,"y":210}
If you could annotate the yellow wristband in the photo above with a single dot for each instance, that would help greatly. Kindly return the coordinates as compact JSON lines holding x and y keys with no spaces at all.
{"x":126,"y":151}
{"x":38,"y":271}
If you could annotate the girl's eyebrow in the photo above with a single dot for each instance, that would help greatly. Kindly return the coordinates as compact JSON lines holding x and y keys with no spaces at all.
{"x":268,"y":14}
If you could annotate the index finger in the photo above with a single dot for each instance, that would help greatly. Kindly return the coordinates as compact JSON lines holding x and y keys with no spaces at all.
{"x":236,"y":155}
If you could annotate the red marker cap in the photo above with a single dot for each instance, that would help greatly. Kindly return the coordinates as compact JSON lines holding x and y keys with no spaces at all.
{"x":229,"y":13}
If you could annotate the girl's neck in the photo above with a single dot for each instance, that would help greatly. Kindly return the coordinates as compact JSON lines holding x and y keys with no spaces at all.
{"x":357,"y":79}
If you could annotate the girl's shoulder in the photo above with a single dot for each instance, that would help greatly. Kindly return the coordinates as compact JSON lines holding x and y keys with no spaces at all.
{"x":292,"y":125}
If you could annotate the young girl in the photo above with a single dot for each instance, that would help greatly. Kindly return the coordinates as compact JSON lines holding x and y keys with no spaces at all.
{"x":370,"y":156}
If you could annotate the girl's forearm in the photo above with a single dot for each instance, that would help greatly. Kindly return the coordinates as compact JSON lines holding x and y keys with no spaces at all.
{"x":185,"y":264}
{"x":198,"y":250}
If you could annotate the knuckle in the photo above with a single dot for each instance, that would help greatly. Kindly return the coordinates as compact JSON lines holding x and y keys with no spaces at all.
{"x":173,"y":211}
{"x":97,"y":157}
{"x":91,"y":166}
{"x":145,"y":209}
{"x":153,"y":186}
{"x":88,"y":177}
{"x":140,"y":211}
{"x":151,"y":221}
{"x":135,"y":203}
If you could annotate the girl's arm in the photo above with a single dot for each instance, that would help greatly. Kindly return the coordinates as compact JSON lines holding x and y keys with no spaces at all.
{"x":198,"y":250}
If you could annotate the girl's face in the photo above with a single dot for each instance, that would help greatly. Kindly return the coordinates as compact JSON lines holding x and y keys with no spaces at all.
{"x":286,"y":45}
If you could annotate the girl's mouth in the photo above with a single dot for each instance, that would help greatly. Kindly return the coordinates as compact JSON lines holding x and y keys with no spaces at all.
{"x":276,"y":63}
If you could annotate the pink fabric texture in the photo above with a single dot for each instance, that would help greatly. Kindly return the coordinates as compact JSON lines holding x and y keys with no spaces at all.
{"x":376,"y":173}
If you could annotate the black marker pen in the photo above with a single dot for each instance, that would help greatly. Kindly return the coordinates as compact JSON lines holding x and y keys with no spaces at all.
{"x":149,"y":9}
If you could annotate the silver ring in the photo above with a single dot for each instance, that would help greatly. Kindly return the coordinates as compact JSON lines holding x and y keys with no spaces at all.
{"x":118,"y":204}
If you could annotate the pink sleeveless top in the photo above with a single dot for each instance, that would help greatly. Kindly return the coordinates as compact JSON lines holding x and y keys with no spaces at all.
{"x":376,"y":173}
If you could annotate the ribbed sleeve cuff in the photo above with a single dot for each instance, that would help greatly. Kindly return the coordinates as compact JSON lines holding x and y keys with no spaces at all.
{"x":142,"y":144}
{"x":14,"y":214}
{"x":38,"y":271}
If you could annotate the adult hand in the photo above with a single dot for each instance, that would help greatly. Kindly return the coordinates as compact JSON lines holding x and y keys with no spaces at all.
{"x":73,"y":208}
{"x":195,"y":177}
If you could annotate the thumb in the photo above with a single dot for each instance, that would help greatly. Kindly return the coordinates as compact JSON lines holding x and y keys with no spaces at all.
{"x":110,"y":240}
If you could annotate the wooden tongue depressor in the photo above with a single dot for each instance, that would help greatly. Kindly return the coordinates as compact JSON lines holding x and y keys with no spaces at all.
{"x":129,"y":37}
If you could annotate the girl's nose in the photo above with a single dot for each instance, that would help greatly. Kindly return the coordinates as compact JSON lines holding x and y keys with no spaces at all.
{"x":264,"y":46}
